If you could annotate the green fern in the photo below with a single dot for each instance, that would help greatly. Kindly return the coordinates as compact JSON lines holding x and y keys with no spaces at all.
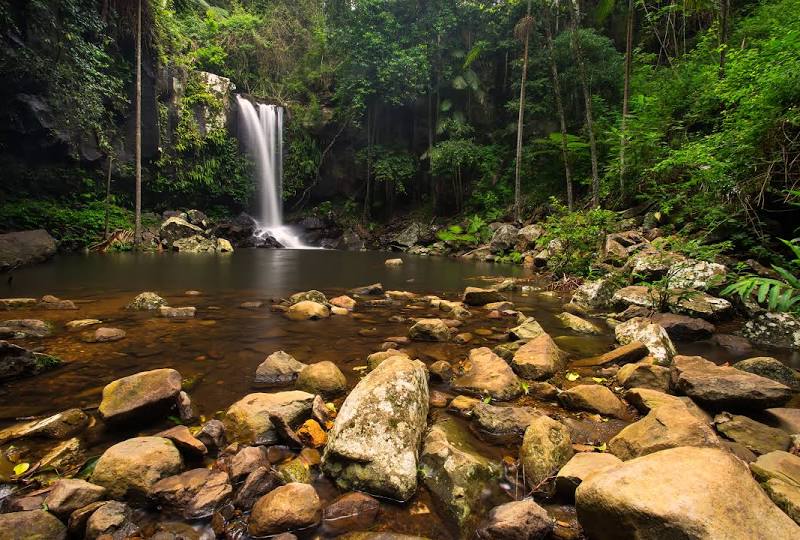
{"x":781,"y":295}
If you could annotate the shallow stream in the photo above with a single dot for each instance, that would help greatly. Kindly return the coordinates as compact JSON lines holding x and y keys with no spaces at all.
{"x":217,"y":352}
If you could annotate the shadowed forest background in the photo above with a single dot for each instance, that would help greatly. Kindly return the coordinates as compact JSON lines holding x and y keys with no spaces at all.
{"x":409,"y":106}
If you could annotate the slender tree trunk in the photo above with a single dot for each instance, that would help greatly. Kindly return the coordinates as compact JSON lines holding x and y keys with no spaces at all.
{"x":365,"y":213}
{"x":626,"y":94}
{"x":561,"y":116}
{"x":137,"y":234}
{"x":587,"y":98}
{"x":724,"y":22}
{"x":524,"y":32}
{"x":108,"y":197}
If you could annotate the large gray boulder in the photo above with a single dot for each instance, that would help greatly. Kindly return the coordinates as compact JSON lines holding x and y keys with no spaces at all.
{"x":780,"y":330}
{"x":25,"y":247}
{"x":248,"y":420}
{"x":373,"y":445}
{"x":454,"y":471}
{"x":686,"y":493}
{"x":176,"y":228}
{"x":133,"y":466}
{"x":594,"y":294}
{"x":145,"y":395}
{"x":503,"y":238}
{"x":725,"y":386}
{"x":653,"y":336}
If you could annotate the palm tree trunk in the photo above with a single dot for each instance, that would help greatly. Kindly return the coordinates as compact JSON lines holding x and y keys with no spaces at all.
{"x":525,"y":27}
{"x":626,"y":94}
{"x":561,"y":116}
{"x":587,"y":98}
{"x":137,"y":235}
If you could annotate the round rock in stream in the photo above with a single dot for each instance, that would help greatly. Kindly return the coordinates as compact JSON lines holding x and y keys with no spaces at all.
{"x":290,"y":507}
{"x":135,"y":465}
{"x":374,"y":442}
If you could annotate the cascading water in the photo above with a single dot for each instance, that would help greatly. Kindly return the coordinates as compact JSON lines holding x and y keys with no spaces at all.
{"x":263,"y":137}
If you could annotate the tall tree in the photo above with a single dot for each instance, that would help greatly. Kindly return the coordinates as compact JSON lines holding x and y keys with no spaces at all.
{"x":724,"y":25}
{"x":522,"y":31}
{"x":626,"y":94}
{"x":137,"y":234}
{"x":562,"y":119}
{"x":587,"y":98}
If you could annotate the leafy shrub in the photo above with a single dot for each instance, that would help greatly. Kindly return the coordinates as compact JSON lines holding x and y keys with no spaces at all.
{"x":74,"y":227}
{"x":579,"y":236}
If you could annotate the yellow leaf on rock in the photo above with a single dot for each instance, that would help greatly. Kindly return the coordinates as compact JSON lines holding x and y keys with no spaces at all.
{"x":21,"y":468}
{"x":572,"y":376}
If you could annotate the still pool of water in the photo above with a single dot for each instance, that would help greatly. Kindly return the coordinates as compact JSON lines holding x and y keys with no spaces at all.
{"x":218,"y":351}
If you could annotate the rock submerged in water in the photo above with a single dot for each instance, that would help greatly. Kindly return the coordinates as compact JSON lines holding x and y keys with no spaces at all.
{"x":307,"y":310}
{"x":680,"y":493}
{"x":545,"y":448}
{"x":456,"y":474}
{"x":146,"y":301}
{"x":375,"y":438}
{"x":145,"y":395}
{"x":133,"y":466}
{"x":25,"y":328}
{"x":475,"y":296}
{"x":485,"y":373}
{"x":429,"y":330}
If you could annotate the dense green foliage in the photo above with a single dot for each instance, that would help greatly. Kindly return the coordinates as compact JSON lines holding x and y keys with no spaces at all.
{"x":394,"y":104}
{"x":781,"y":293}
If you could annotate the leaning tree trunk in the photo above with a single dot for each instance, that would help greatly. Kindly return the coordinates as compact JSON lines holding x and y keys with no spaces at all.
{"x":626,"y":95}
{"x":137,"y":234}
{"x":561,"y":116}
{"x":523,"y":31}
{"x":587,"y":98}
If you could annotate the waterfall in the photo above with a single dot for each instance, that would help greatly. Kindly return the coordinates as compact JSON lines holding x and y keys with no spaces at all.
{"x":263,"y":138}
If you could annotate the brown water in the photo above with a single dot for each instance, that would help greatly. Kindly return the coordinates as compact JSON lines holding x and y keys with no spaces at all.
{"x":218,"y":351}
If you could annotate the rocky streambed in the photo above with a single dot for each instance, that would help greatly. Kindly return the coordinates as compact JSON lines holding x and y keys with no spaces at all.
{"x":499,"y":410}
